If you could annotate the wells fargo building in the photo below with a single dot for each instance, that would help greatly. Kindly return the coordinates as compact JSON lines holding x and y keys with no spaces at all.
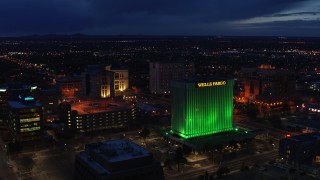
{"x":201,"y":106}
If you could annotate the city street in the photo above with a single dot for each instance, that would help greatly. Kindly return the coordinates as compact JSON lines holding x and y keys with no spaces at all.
{"x":234,"y":165}
{"x":7,"y":169}
{"x":244,"y":122}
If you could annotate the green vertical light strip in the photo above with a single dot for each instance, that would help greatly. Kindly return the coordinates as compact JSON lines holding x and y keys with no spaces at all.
{"x":201,"y":111}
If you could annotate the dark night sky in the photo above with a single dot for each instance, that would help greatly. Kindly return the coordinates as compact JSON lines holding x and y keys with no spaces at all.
{"x":160,"y":17}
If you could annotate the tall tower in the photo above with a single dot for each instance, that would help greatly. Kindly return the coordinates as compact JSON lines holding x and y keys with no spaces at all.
{"x":201,"y":106}
{"x":162,"y":73}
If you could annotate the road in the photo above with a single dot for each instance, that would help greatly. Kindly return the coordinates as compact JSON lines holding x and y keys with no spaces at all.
{"x":233,"y":165}
{"x":243,"y":122}
{"x":6,"y":172}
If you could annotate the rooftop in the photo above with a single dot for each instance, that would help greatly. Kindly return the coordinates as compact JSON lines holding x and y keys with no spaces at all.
{"x":69,"y":79}
{"x":118,"y":150}
{"x":20,"y":105}
{"x":100,"y":106}
{"x":95,"y":165}
{"x":306,"y":138}
{"x":203,"y":79}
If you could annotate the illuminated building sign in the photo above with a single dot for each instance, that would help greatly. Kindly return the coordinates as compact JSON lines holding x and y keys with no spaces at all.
{"x":212,"y":83}
{"x":29,"y":98}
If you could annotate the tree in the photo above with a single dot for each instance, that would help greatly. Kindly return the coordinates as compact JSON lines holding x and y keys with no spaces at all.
{"x":144,"y":134}
{"x":276,"y":121}
{"x":186,"y":150}
{"x":286,"y":108}
{"x":179,"y":157}
{"x":14,"y":147}
{"x":220,"y":172}
{"x":168,"y":163}
{"x":27,"y":163}
{"x":244,"y":167}
{"x":205,"y":176}
{"x":223,"y":170}
{"x":252,"y":111}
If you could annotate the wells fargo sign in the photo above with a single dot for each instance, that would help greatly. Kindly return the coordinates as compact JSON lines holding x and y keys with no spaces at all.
{"x":212,"y":83}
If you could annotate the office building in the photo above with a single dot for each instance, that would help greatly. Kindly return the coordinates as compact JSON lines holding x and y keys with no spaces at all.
{"x":100,"y":81}
{"x":266,"y":85}
{"x":121,"y":79}
{"x":3,"y":105}
{"x":116,"y":159}
{"x":162,"y":73}
{"x":301,"y":149}
{"x":68,"y":86}
{"x":25,"y":119}
{"x":201,"y":106}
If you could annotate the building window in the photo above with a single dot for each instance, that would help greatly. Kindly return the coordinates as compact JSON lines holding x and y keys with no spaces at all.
{"x":104,"y":91}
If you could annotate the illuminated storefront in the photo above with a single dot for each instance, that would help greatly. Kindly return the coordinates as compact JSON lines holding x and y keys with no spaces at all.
{"x":201,"y":106}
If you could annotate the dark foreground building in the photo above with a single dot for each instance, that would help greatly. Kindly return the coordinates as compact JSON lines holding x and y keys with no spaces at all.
{"x":116,"y":159}
{"x":300,"y":149}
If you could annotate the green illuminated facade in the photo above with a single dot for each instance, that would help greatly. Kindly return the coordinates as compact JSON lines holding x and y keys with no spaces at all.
{"x":201,"y":106}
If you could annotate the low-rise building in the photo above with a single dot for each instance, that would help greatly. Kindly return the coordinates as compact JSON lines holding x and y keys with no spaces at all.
{"x":116,"y":159}
{"x":300,"y":149}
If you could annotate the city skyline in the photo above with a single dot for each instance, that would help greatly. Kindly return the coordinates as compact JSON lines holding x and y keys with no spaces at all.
{"x":124,"y":17}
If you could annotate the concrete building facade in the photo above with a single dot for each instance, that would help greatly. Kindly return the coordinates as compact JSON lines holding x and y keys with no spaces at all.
{"x":162,"y":73}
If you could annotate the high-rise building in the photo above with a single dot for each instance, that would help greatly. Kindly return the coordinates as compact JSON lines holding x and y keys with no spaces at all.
{"x":201,"y":106}
{"x":162,"y":73}
{"x":121,"y":78}
{"x":97,"y":82}
{"x":100,"y":81}
{"x":116,"y":159}
{"x":25,"y":119}
{"x":3,"y":105}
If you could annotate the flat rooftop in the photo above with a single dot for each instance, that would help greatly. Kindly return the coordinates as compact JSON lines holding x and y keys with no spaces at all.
{"x":20,"y":105}
{"x":93,"y":164}
{"x":306,"y":138}
{"x":118,"y":150}
{"x":203,"y":79}
{"x":69,"y":79}
{"x":100,"y":106}
{"x":312,"y":124}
